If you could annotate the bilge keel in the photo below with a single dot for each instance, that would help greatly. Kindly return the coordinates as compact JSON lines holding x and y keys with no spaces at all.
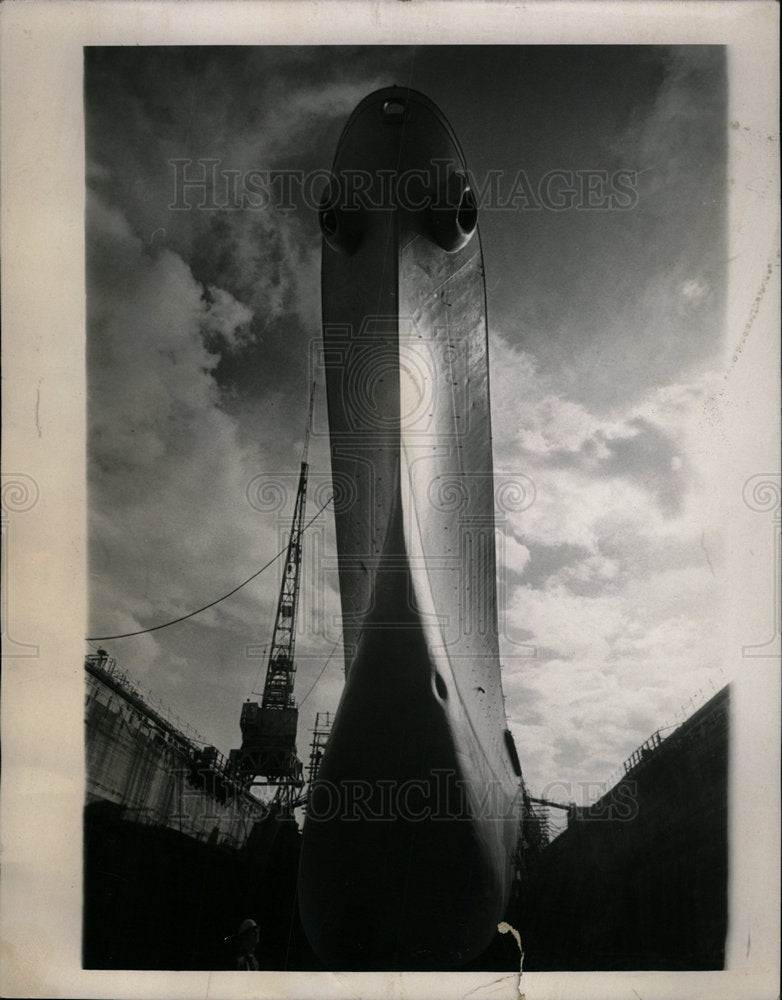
{"x":412,"y":823}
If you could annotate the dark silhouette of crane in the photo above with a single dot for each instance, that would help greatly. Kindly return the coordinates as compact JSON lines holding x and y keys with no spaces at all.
{"x":268,"y":754}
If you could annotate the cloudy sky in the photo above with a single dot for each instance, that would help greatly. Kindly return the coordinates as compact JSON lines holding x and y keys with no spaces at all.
{"x":605,"y":322}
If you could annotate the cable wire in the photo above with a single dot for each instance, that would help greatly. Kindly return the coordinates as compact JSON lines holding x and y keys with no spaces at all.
{"x":192,"y":614}
{"x":322,"y":669}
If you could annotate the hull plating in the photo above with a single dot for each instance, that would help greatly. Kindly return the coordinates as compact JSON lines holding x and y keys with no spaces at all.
{"x":412,"y":824}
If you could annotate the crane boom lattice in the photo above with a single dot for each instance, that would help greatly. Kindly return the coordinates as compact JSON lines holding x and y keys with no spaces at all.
{"x":268,"y":754}
{"x":278,"y":689}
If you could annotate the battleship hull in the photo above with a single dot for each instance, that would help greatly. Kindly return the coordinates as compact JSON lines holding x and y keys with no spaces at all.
{"x":412,"y":824}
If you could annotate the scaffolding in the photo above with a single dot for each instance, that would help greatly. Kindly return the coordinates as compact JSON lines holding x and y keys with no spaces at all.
{"x":320,"y":735}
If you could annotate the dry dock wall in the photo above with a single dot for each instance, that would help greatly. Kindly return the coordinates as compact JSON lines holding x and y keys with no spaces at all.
{"x":639,"y":880}
{"x":175,"y":856}
{"x":156,"y":778}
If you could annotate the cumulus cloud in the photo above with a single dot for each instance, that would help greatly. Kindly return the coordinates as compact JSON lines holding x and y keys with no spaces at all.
{"x":511,"y":554}
{"x":614,"y":592}
{"x":296,"y":107}
{"x":173,"y":525}
{"x":169,"y":517}
{"x":285,"y":125}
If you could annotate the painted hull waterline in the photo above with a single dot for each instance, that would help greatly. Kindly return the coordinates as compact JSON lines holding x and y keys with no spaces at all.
{"x":412,"y":822}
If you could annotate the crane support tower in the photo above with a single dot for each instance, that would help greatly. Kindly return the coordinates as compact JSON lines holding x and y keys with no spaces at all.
{"x":268,"y":754}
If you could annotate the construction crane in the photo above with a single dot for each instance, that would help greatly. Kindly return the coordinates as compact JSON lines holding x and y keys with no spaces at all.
{"x":268,"y":753}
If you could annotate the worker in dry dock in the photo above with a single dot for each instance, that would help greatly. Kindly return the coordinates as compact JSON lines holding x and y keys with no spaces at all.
{"x":248,"y":938}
